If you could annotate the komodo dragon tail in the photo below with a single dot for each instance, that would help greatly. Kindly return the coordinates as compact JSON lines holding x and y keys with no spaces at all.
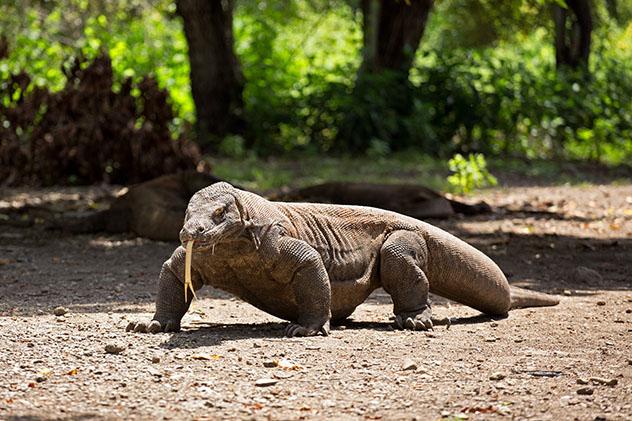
{"x":522,"y":298}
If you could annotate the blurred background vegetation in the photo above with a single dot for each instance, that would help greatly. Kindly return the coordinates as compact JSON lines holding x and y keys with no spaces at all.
{"x":530,"y":79}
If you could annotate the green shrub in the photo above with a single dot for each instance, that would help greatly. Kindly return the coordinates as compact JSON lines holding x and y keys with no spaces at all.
{"x":469,"y":174}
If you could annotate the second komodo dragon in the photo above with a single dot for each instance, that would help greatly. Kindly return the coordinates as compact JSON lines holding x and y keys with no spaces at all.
{"x":315,"y":263}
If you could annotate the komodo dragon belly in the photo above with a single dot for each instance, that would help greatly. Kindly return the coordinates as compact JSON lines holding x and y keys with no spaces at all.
{"x":247,"y":278}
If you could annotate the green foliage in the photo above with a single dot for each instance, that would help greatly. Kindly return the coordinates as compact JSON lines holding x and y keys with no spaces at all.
{"x":470,"y":173}
{"x":513,"y":102}
{"x":494,"y":91}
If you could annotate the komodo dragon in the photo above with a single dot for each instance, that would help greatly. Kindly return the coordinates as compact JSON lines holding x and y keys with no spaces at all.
{"x":315,"y":263}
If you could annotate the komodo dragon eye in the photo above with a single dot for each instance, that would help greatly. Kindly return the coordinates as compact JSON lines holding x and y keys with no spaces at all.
{"x":219,"y":213}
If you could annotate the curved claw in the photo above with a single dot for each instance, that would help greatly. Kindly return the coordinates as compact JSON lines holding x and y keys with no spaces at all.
{"x":155,"y":326}
{"x":140,"y":327}
{"x":295,"y":329}
{"x":421,"y":321}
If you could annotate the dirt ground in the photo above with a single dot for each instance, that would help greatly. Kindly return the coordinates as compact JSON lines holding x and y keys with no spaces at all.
{"x":572,"y":361}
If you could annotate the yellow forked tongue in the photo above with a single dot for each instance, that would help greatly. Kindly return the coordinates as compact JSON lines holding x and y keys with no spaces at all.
{"x":187,"y":271}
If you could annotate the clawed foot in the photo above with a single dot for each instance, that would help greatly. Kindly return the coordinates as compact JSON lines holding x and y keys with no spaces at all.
{"x":295,"y":329}
{"x":153,"y":327}
{"x":415,"y":320}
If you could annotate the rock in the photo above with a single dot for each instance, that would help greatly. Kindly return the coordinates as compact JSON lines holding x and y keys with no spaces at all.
{"x":601,"y":303}
{"x":155,"y":359}
{"x":114,"y":348}
{"x":585,"y":391}
{"x":60,"y":311}
{"x":41,"y":379}
{"x":270,"y":364}
{"x":584,"y":275}
{"x":605,"y":382}
{"x":494,"y":324}
{"x":491,"y":339}
{"x":497,"y":376}
{"x":265,"y":382}
{"x":409,"y":365}
{"x":582,"y":380}
{"x":286,"y":364}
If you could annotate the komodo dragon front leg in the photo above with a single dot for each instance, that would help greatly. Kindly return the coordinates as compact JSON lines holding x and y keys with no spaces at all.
{"x":402,"y":257}
{"x":298,"y":265}
{"x":170,"y":304}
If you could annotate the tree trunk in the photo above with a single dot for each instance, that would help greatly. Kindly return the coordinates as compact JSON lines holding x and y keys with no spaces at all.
{"x":573,"y":27}
{"x":392,"y":31}
{"x":216,"y":78}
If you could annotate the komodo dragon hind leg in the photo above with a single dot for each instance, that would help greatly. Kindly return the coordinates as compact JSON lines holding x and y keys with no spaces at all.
{"x":402,"y":256}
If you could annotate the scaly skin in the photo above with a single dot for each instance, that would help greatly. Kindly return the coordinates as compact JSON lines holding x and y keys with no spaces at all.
{"x":313,"y":263}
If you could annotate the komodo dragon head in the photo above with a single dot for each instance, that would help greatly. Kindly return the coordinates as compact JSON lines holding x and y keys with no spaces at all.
{"x":214,"y":215}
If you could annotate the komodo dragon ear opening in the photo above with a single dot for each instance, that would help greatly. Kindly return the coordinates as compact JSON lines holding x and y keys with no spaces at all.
{"x":247,"y":223}
{"x":254,"y":231}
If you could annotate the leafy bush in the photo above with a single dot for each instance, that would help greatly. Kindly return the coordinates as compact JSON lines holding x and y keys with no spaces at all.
{"x":469,"y":174}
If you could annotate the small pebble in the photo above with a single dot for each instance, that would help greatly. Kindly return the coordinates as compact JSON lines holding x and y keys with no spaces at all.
{"x":114,"y":348}
{"x":409,"y":365}
{"x":585,"y":391}
{"x":494,"y":324}
{"x":60,"y":311}
{"x":582,"y":380}
{"x":601,"y":303}
{"x":40,"y":379}
{"x":491,"y":339}
{"x":270,"y":364}
{"x":155,"y":359}
{"x":497,"y":376}
{"x":265,"y":382}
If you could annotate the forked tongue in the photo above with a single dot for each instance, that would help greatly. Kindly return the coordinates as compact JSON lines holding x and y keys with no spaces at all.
{"x":187,"y":271}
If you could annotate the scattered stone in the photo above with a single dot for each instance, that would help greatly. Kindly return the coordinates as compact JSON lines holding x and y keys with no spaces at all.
{"x":40,"y":378}
{"x":312,"y":347}
{"x":568,"y":292}
{"x":494,"y":324}
{"x":155,"y":359}
{"x":497,"y":376}
{"x":286,"y":364}
{"x":585,"y":391}
{"x":154,"y":372}
{"x":601,"y":303}
{"x":60,"y":311}
{"x":491,"y":339}
{"x":270,"y":364}
{"x":282,"y":375}
{"x":584,"y":275}
{"x":545,"y":373}
{"x":409,"y":365}
{"x":582,"y":380}
{"x":265,"y":382}
{"x":114,"y":348}
{"x":605,"y":382}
